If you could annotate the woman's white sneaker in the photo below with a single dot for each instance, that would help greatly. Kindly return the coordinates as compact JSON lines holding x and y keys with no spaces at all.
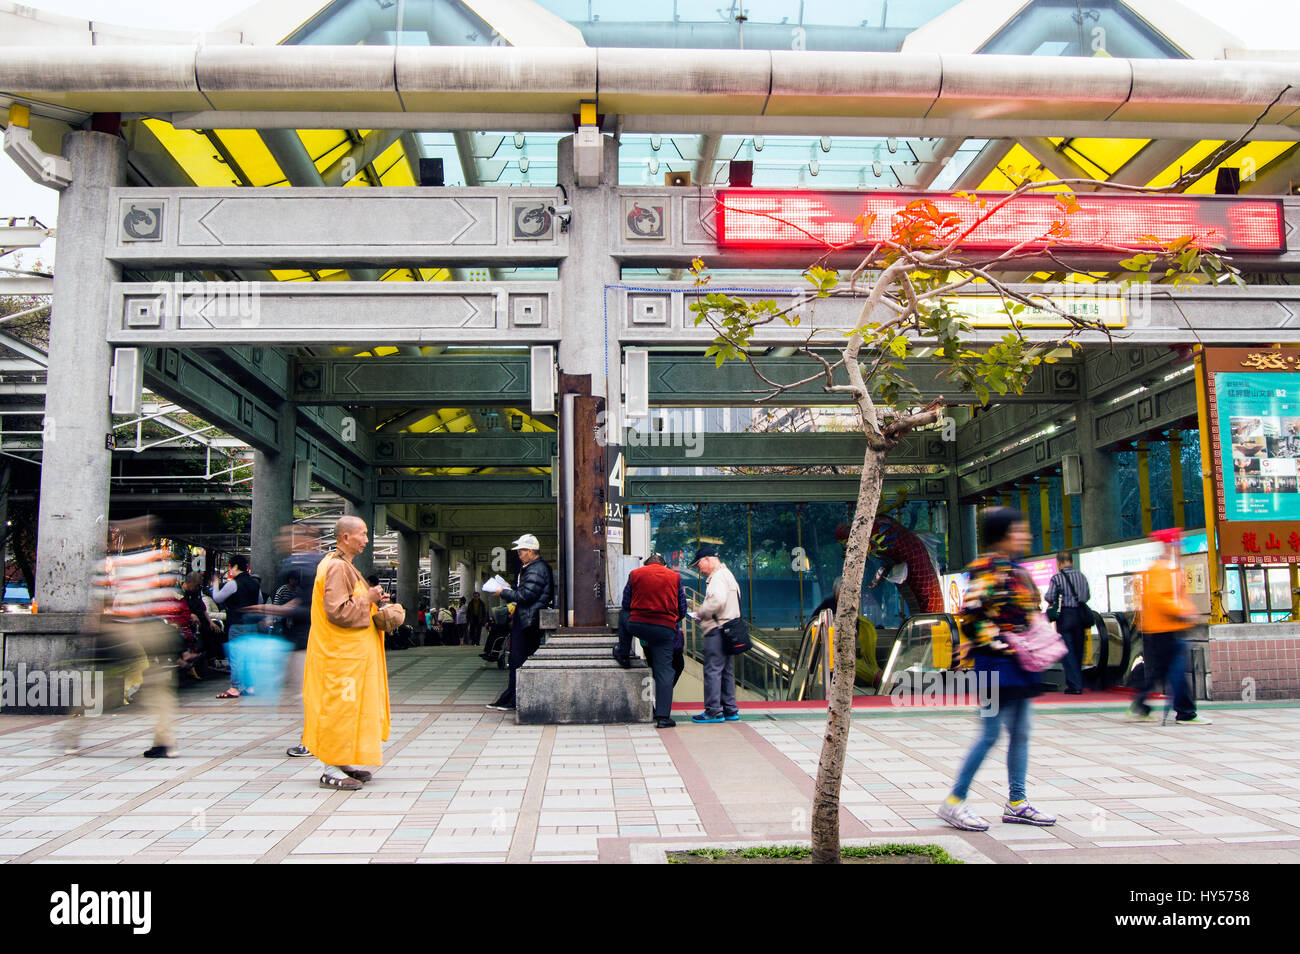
{"x":959,"y":816}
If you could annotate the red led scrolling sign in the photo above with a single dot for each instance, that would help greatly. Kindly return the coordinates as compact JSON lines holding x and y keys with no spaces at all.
{"x":750,"y":218}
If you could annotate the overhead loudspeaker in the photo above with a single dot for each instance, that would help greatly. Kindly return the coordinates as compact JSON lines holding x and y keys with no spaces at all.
{"x":431,"y":172}
{"x":740,"y":175}
{"x":1228,"y":181}
{"x":126,"y":381}
{"x":677,"y":178}
{"x":1071,"y":475}
{"x":301,"y":480}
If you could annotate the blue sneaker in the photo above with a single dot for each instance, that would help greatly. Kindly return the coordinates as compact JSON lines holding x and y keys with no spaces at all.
{"x":734,"y":717}
{"x":704,"y":718}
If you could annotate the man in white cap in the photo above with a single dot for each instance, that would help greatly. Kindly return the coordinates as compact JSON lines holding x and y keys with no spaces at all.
{"x":534,"y":589}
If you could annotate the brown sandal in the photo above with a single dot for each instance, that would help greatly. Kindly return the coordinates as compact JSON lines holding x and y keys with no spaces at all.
{"x":346,"y":784}
{"x":361,"y":775}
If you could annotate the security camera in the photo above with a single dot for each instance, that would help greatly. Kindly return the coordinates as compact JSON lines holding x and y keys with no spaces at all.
{"x":564,"y":213}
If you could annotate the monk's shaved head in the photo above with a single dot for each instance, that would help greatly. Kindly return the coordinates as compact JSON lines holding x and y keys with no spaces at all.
{"x":348,"y":523}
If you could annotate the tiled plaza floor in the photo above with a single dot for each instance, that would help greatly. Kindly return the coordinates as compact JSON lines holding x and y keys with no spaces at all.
{"x":466,"y":784}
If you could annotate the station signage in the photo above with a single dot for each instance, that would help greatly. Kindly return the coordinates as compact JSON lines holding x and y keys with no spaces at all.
{"x":753,"y":218}
{"x":1254,"y":409}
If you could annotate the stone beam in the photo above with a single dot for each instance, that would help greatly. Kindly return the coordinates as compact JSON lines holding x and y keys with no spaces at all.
{"x":464,"y":450}
{"x":658,"y":314}
{"x":315,"y":313}
{"x":670,"y":449}
{"x":298,"y":228}
{"x":451,"y":381}
{"x":694,"y":381}
{"x":335,"y":472}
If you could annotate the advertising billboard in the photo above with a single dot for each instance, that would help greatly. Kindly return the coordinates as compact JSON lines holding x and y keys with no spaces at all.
{"x":1254,"y":409}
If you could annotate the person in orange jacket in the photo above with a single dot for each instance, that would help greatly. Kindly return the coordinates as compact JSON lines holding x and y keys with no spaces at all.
{"x":1166,"y":615}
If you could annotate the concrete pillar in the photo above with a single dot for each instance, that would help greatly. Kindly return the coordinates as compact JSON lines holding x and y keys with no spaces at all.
{"x":1100,"y":517}
{"x":73,"y":516}
{"x":438,"y":573}
{"x":272,"y":501}
{"x":366,"y":511}
{"x":465,"y":573}
{"x":586,"y":347}
{"x":408,"y":571}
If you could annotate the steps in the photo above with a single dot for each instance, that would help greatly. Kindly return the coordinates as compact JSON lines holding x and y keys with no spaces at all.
{"x":574,"y":680}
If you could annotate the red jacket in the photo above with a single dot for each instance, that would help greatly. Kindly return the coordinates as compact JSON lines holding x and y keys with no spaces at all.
{"x":654,"y":595}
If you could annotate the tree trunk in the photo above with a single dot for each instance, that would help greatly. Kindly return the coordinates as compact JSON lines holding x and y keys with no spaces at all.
{"x":839,"y":695}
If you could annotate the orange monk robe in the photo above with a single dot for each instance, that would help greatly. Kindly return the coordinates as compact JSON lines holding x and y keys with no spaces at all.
{"x":345,"y":685}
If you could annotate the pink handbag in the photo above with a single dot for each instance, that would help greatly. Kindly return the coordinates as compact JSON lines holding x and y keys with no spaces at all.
{"x":1038,"y":646}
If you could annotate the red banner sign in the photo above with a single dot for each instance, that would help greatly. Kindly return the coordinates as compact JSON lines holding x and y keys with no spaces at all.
{"x":751,"y":218}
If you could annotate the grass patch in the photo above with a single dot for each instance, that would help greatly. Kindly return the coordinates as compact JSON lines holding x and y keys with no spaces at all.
{"x":862,"y":854}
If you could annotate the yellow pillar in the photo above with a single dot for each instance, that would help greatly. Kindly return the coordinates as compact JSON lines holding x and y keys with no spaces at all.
{"x":1207,"y":491}
{"x":1024,"y":500}
{"x":1067,"y":518}
{"x":1045,"y":506}
{"x":1176,"y":469}
{"x":1144,"y":487}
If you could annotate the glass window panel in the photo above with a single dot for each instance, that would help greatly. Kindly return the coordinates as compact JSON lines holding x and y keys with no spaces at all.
{"x":1064,"y":28}
{"x":1279,"y":589}
{"x":1256,"y":591}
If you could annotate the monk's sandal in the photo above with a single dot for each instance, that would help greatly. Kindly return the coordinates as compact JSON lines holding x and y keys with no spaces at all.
{"x":346,"y":784}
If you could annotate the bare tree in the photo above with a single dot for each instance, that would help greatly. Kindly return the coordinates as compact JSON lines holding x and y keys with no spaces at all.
{"x":911,"y":277}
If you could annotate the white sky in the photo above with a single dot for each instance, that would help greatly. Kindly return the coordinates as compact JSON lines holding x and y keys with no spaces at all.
{"x":1261,"y":24}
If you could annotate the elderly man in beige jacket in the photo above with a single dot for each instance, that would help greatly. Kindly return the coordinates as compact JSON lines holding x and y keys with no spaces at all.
{"x":721,"y":603}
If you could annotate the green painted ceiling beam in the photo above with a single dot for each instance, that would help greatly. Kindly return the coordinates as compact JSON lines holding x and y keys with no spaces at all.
{"x":444,"y":380}
{"x":650,"y":490}
{"x":676,"y":449}
{"x":694,"y":381}
{"x":465,"y":450}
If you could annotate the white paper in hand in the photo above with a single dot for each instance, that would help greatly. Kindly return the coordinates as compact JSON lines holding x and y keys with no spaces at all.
{"x":494,"y":585}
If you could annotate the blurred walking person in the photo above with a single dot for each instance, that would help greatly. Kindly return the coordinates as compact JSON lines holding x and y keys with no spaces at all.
{"x":1165,"y":616}
{"x":141,"y":610}
{"x":1001,"y":598}
{"x":345,"y":686}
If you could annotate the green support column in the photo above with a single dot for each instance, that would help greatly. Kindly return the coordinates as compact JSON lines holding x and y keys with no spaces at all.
{"x":1144,"y":486}
{"x":1176,"y":469}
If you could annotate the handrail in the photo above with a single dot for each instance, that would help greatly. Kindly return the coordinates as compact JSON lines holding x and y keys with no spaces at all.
{"x":774,"y":670}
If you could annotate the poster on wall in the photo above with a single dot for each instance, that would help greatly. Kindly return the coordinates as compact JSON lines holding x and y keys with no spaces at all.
{"x":1254,"y":409}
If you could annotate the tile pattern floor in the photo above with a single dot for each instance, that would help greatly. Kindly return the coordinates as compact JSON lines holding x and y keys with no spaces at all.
{"x":466,"y":784}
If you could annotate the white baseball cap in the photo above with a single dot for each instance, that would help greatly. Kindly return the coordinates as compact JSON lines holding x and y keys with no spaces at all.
{"x":526,"y":542}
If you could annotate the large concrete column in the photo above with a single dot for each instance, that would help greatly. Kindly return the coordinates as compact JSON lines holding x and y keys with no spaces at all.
{"x":272,"y":501}
{"x":586,"y":349}
{"x":366,"y":511}
{"x":1100,"y":518}
{"x":438,"y":573}
{"x":408,"y":571}
{"x":73,"y":517}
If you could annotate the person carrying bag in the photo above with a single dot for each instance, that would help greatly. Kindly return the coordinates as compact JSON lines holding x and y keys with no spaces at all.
{"x":1067,"y":606}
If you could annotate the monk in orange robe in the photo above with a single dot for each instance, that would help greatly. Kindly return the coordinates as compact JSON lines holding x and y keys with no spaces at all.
{"x":345,"y":685}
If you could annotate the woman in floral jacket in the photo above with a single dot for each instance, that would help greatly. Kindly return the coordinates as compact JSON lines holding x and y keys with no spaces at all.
{"x":1000,"y":598}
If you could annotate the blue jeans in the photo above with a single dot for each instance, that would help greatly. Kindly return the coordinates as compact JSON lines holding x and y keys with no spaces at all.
{"x":1016,"y":713}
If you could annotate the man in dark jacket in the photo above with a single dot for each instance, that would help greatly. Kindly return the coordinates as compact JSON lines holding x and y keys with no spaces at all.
{"x":655,"y":600}
{"x":534,"y":589}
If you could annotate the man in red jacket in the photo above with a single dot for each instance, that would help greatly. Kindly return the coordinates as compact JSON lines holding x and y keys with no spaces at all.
{"x":654,"y":607}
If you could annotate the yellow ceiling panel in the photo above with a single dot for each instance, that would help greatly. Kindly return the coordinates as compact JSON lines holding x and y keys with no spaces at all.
{"x":435,"y":274}
{"x":1103,"y":157}
{"x":325,"y":146}
{"x":249,"y":151}
{"x":1250,"y":159}
{"x":1014,"y":169}
{"x":393,"y":168}
{"x":195,"y":154}
{"x":1188,"y":159}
